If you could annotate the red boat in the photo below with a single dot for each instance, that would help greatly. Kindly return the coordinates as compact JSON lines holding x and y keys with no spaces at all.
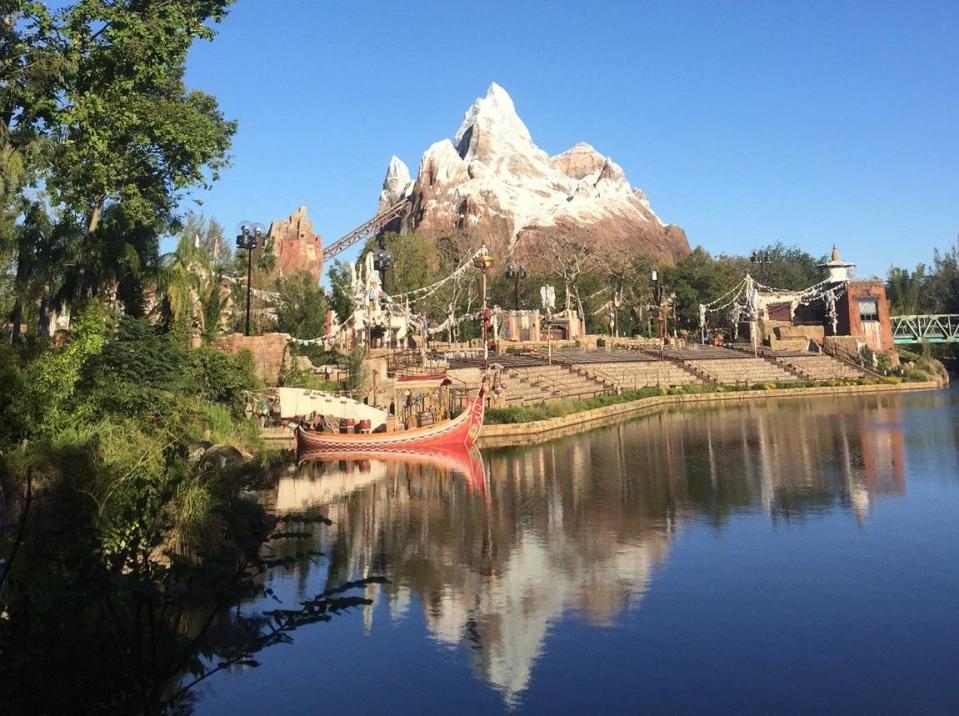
{"x":463,"y":430}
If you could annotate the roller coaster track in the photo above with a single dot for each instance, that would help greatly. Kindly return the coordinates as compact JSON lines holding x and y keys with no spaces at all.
{"x":364,"y":230}
{"x":937,"y":328}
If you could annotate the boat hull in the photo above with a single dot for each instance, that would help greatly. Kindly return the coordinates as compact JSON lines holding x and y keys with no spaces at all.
{"x":463,"y":430}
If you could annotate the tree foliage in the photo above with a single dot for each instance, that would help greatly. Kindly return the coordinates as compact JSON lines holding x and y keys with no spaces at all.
{"x":300,"y":306}
{"x":340,"y":296}
{"x":926,"y":289}
{"x":95,"y":109}
{"x":586,"y":278}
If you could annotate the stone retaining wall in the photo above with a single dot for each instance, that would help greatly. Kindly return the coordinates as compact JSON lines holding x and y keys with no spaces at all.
{"x":506,"y":434}
{"x":269,"y":352}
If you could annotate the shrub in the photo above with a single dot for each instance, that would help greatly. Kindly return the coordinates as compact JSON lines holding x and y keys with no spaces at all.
{"x":222,"y":378}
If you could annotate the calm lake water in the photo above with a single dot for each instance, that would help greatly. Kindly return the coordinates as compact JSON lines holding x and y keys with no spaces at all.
{"x":788,"y":556}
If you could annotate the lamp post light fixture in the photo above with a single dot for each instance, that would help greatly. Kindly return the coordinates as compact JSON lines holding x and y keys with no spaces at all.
{"x":515,"y":272}
{"x":760,"y":259}
{"x":248,"y":236}
{"x":484,"y":262}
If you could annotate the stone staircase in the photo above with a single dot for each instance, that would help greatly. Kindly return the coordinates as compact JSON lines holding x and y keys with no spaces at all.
{"x":540,"y":384}
{"x":823,"y":367}
{"x":743,"y":371}
{"x":642,"y":374}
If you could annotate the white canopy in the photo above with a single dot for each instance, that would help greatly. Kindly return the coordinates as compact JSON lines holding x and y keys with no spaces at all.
{"x":300,"y":402}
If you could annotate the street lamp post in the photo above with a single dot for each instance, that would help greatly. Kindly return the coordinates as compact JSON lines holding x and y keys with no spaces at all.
{"x":484,"y":262}
{"x":760,"y":259}
{"x":515,"y":272}
{"x":247,"y":238}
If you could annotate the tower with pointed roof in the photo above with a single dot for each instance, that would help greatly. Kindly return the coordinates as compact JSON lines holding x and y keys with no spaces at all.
{"x":837,"y":269}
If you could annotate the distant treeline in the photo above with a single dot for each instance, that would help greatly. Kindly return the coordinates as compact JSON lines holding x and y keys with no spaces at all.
{"x":927,"y":288}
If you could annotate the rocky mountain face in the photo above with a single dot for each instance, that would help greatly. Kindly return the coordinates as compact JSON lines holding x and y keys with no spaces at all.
{"x":493,"y":182}
{"x":296,"y":245}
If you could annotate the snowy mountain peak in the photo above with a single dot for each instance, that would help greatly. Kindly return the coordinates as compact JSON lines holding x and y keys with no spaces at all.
{"x":397,"y":184}
{"x":491,"y":124}
{"x":492,"y":181}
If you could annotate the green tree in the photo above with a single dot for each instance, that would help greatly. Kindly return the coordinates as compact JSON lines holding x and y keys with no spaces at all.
{"x":699,"y":278}
{"x":99,"y":84}
{"x":416,"y":262}
{"x":904,"y":289}
{"x":300,"y":306}
{"x":42,"y":247}
{"x":189,"y":293}
{"x":785,"y":267}
{"x":208,"y":235}
{"x":341,"y":295}
{"x":29,"y":78}
{"x":31,"y":72}
{"x":942,"y":290}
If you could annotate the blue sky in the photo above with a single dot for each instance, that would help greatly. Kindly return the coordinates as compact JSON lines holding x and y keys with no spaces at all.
{"x":745,"y":122}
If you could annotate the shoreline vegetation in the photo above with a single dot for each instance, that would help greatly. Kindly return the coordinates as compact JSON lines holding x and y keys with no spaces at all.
{"x":541,"y":429}
{"x":128,"y":472}
{"x":562,"y":408}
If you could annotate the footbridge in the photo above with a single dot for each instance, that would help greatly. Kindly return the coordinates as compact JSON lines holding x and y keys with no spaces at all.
{"x":933,"y":328}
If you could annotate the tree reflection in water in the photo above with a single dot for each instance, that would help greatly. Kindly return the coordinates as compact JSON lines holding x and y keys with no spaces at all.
{"x":78,"y":636}
{"x":578,"y":526}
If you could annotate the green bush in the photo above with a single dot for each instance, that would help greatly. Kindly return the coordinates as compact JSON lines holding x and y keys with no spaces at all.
{"x":221,"y":378}
{"x":12,"y":423}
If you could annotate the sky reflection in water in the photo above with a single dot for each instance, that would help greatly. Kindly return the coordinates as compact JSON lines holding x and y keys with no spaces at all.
{"x":792,"y":555}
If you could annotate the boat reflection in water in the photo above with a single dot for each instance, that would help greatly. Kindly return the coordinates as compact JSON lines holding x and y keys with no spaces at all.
{"x":326,"y":475}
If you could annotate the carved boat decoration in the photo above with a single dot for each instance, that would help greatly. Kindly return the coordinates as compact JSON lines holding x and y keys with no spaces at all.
{"x":461,"y":431}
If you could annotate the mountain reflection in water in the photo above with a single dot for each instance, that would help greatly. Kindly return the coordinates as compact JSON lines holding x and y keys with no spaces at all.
{"x":577,"y":527}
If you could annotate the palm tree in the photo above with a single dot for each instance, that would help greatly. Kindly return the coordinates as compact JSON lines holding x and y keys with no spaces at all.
{"x":189,"y":298}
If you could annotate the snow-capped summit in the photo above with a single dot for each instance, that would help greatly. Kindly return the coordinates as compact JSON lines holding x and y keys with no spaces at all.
{"x":492,"y":180}
{"x":491,"y":128}
{"x":397,"y":185}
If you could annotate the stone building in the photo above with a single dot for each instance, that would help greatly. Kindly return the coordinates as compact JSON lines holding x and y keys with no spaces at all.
{"x":862,"y":311}
{"x":790,"y":320}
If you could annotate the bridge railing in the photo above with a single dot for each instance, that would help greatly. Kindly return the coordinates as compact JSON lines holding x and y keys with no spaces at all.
{"x":931,"y":328}
{"x":364,"y":230}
